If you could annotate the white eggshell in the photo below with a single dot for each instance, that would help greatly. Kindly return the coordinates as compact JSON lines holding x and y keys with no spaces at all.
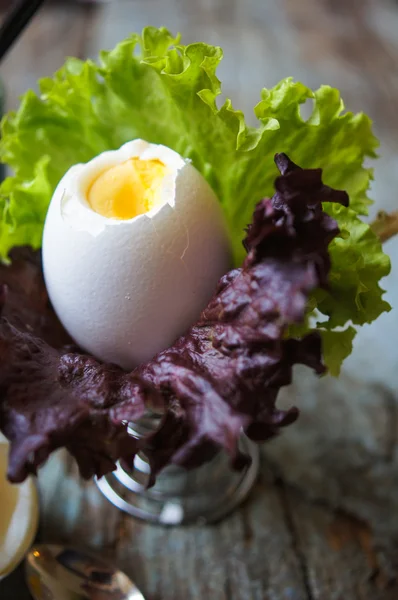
{"x":125,"y":290}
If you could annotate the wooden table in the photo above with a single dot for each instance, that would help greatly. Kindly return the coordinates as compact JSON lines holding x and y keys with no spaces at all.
{"x":322,"y":522}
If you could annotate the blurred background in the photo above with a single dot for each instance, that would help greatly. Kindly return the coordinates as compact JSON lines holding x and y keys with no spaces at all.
{"x":342,"y":455}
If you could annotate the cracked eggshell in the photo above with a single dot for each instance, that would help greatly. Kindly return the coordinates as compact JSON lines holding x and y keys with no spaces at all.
{"x":125,"y":290}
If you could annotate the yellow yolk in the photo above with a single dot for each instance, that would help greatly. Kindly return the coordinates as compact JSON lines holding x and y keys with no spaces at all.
{"x":127,"y":190}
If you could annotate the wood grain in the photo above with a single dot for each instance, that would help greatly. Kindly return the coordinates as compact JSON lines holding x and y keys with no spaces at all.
{"x":322,"y":522}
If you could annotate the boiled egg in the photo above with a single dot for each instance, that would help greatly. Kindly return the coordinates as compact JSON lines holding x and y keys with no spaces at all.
{"x":18,"y":516}
{"x":134,"y":244}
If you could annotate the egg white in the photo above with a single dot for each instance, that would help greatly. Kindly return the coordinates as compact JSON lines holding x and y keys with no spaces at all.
{"x":126,"y":289}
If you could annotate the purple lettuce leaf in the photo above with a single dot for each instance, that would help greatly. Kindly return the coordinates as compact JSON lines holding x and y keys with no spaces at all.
{"x":223,"y":376}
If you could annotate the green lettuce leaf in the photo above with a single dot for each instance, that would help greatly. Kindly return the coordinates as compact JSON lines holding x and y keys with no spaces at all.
{"x":358,"y":264}
{"x":336,"y":346}
{"x":152,"y":87}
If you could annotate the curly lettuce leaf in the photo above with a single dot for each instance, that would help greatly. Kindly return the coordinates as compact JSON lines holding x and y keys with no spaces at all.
{"x":151,"y":86}
{"x":223,"y":375}
{"x":336,"y":346}
{"x":358,"y":264}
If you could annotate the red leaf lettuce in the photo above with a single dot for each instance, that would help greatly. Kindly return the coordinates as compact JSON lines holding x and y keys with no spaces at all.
{"x":223,"y":376}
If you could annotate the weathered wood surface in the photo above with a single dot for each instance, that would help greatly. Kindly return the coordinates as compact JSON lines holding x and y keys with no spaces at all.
{"x":322,"y":522}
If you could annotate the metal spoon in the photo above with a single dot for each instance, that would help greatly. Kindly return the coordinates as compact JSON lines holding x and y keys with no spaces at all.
{"x":58,"y":573}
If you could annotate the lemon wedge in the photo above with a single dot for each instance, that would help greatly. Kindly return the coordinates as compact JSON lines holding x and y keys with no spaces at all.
{"x":19,"y":513}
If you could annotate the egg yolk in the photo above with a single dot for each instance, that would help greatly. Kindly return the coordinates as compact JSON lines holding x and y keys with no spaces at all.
{"x":129,"y":189}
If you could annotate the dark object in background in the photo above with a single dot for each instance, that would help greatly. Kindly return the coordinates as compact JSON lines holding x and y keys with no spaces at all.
{"x":17,"y":16}
{"x":5,"y":7}
{"x":15,"y":21}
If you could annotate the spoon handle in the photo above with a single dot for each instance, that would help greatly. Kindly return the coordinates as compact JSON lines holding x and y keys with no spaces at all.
{"x":56,"y":573}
